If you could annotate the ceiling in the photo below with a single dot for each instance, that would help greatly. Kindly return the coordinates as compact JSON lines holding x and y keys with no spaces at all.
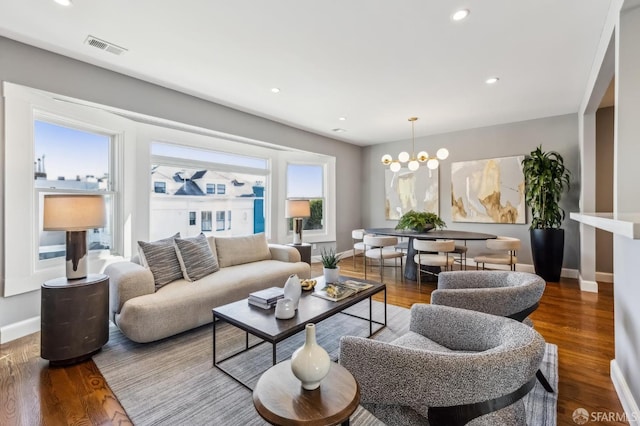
{"x":373,"y":62}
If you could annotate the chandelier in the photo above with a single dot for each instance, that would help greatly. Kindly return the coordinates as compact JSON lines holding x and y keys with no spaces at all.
{"x":414,"y":160}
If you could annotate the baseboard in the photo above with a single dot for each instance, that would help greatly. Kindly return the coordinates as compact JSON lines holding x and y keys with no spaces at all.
{"x":19,"y":329}
{"x":629,"y":405}
{"x":587,"y":285}
{"x":526,"y":267}
{"x":604,"y":277}
{"x":521,"y":267}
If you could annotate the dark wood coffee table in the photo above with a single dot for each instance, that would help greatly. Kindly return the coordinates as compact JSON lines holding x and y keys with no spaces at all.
{"x":280,"y":399}
{"x":262,"y":323}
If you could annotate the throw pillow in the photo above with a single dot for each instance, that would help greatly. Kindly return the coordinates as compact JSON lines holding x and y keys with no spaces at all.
{"x":160,"y":257}
{"x":238,"y":250}
{"x":195,"y":257}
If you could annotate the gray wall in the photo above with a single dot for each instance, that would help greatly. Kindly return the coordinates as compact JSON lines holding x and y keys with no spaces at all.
{"x":40,"y":69}
{"x":554,"y":133}
{"x":604,"y":185}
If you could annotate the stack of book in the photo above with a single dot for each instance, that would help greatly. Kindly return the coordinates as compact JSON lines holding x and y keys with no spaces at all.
{"x":267,"y":298}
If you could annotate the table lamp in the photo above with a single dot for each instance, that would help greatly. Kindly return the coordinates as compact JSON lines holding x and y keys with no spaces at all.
{"x":74,"y":214}
{"x":297,"y":209}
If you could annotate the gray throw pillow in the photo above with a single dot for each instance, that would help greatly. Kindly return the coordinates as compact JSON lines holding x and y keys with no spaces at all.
{"x":195,"y":257}
{"x":160,"y":257}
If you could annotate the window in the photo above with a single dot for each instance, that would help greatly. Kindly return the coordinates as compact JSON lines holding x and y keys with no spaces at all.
{"x":307,"y":181}
{"x":71,"y":160}
{"x":205,"y":221}
{"x":160,"y":187}
{"x":192,"y":218}
{"x":190,"y":184}
{"x":220,"y":221}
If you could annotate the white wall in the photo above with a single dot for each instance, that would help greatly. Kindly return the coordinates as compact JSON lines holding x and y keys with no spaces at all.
{"x":554,"y":133}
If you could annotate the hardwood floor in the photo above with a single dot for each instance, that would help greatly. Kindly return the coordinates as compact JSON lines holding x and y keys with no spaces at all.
{"x":581,"y":324}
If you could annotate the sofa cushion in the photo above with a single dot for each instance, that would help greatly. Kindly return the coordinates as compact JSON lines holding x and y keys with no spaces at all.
{"x":239,"y":250}
{"x":195,"y":257}
{"x":161,"y":258}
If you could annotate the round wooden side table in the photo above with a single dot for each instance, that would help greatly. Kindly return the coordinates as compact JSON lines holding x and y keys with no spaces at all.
{"x":74,"y":318}
{"x":280,"y":399}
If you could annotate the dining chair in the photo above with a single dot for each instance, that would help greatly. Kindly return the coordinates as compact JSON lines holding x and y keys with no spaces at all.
{"x":461,"y":250}
{"x":504,"y":252}
{"x":381,"y":248}
{"x":357,"y":235}
{"x":436,"y":253}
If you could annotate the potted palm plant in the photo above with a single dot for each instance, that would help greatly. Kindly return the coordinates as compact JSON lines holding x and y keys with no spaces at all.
{"x":420,"y":221}
{"x":546,"y":179}
{"x":330,"y":267}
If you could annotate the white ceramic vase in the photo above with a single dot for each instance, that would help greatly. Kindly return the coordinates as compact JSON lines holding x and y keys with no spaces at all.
{"x":284,"y":309}
{"x":331,"y":275}
{"x":293,"y":289}
{"x":310,"y":363}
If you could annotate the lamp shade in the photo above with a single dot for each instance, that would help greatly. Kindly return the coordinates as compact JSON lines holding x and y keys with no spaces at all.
{"x":73,"y":212}
{"x":298,"y":208}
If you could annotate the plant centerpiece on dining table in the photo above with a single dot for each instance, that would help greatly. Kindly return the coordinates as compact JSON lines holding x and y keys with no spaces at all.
{"x":330,"y":268}
{"x":420,"y":221}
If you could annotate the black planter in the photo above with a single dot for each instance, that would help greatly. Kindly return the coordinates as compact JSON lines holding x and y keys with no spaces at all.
{"x":547,"y":250}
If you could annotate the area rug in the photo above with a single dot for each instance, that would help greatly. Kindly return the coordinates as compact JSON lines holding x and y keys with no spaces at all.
{"x":173,"y":382}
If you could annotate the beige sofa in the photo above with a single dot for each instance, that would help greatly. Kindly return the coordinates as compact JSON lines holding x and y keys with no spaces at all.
{"x":247,"y":264}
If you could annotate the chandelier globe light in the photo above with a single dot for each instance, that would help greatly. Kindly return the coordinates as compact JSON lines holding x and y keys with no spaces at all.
{"x":412,"y":160}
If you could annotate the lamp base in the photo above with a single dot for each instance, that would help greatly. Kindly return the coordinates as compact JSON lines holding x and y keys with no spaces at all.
{"x":297,"y":230}
{"x":76,"y":260}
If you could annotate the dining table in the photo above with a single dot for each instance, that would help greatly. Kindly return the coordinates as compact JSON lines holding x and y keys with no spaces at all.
{"x":410,"y":268}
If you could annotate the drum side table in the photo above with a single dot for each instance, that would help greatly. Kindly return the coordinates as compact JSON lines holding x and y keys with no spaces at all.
{"x":74,"y":318}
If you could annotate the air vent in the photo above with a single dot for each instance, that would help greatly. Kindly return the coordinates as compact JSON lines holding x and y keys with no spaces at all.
{"x":104,"y":45}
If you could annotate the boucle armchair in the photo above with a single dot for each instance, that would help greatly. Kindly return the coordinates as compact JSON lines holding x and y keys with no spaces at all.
{"x":504,"y":293}
{"x":452,"y":367}
{"x":509,"y":294}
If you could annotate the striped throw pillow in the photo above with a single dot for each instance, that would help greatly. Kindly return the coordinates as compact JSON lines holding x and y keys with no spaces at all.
{"x":196,"y":258}
{"x":160,"y":257}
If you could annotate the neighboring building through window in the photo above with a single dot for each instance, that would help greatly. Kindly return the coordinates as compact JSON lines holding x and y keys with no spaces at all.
{"x":190,"y":182}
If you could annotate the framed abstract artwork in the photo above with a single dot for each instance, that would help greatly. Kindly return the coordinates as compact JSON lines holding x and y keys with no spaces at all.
{"x":406,"y":190}
{"x":488,"y":191}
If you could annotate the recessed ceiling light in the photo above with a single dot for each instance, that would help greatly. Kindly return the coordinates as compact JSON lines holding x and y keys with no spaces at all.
{"x":460,"y":15}
{"x":63,"y":2}
{"x":342,"y":118}
{"x":492,"y":80}
{"x":338,"y":130}
{"x":275,"y":90}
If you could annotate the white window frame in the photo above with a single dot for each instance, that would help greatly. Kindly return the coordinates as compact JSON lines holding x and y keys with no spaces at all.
{"x":328,"y":163}
{"x":24,"y":271}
